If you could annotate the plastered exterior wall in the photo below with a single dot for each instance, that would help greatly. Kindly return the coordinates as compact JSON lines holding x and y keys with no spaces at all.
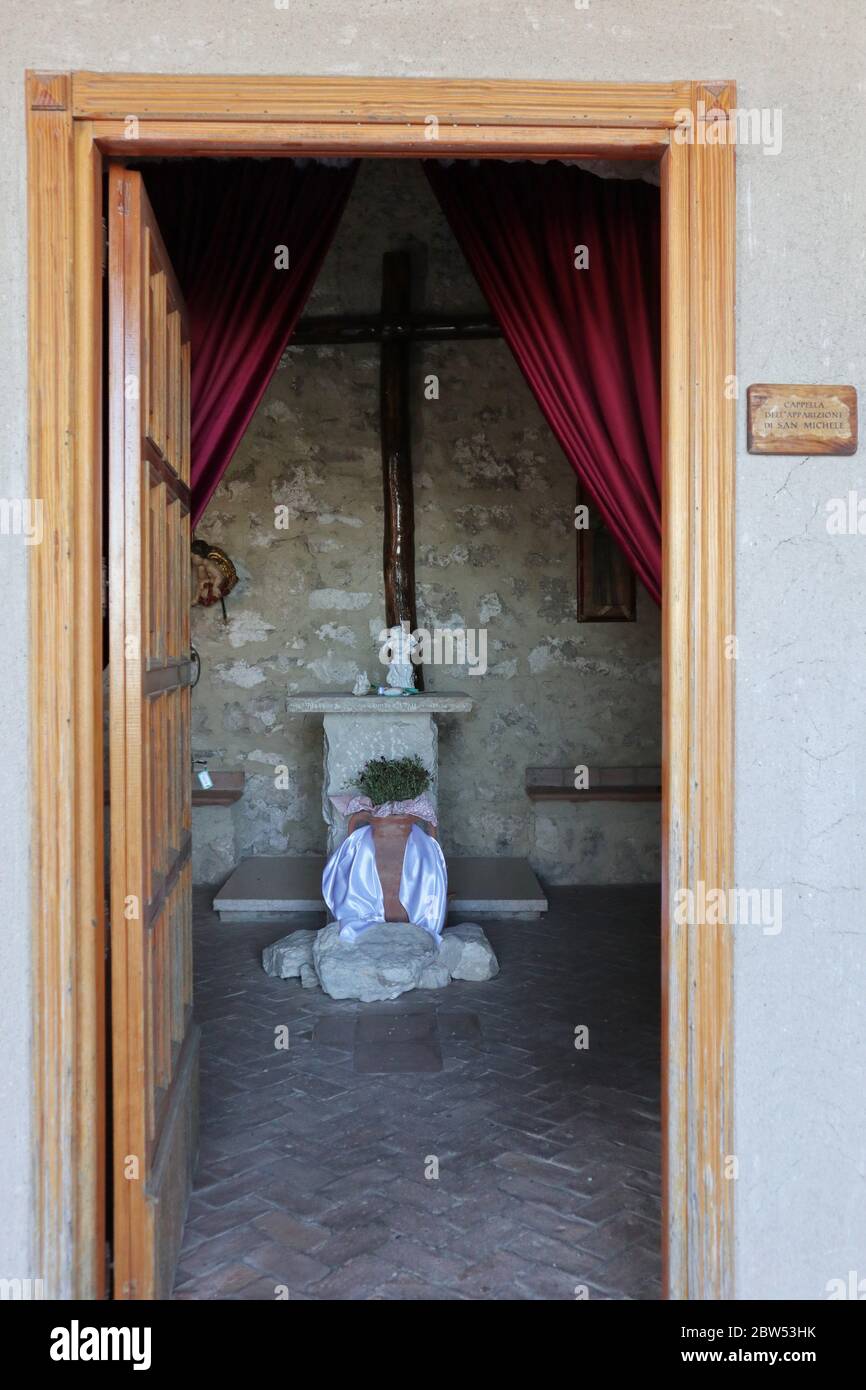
{"x":495,"y":551}
{"x":800,"y":994}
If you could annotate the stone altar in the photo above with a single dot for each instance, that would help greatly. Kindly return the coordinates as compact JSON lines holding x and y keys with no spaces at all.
{"x":359,"y":727}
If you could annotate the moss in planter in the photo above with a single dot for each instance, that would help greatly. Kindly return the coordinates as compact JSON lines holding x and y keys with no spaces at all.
{"x":393,"y":779}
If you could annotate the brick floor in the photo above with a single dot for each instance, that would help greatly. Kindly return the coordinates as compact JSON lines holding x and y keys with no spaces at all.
{"x":314,"y":1173}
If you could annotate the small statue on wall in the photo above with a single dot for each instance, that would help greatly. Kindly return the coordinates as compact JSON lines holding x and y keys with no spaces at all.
{"x":213,"y":575}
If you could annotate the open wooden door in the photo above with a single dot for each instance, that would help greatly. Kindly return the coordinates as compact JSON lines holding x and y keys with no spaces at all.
{"x":153,"y":1038}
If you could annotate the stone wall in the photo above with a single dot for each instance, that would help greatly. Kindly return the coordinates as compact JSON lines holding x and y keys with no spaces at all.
{"x":495,"y":549}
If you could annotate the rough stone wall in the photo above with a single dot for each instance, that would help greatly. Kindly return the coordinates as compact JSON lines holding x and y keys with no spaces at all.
{"x":495,"y":549}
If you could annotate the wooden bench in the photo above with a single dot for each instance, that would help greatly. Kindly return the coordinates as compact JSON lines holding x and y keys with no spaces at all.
{"x":227,"y":788}
{"x":604,"y":784}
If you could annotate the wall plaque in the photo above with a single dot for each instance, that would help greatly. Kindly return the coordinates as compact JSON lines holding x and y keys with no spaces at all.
{"x":802,"y":420}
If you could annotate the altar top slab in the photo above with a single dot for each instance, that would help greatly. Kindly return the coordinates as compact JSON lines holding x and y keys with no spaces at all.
{"x":434,"y":702}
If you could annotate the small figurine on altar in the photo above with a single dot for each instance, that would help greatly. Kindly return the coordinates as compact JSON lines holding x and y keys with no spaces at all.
{"x":398,"y":645}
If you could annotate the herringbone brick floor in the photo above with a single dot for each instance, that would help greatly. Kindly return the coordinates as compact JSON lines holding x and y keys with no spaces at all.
{"x":315,"y":1177}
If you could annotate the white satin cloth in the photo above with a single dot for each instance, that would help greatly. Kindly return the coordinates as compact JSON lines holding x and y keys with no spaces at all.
{"x":353,"y":893}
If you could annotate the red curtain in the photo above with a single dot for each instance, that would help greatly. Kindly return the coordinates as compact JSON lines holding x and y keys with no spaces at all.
{"x":587,"y":340}
{"x":222,"y":223}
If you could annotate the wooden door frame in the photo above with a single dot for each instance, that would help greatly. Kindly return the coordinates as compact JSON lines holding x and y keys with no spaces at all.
{"x":75,"y":121}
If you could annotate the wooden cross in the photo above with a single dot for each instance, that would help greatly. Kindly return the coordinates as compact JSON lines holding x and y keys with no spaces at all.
{"x":396,"y":328}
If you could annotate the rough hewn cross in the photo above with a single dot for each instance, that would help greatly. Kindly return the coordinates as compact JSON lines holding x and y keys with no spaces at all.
{"x":396,"y":328}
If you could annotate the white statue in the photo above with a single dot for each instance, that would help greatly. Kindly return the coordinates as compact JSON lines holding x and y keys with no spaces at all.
{"x":399,"y":648}
{"x":362,"y":684}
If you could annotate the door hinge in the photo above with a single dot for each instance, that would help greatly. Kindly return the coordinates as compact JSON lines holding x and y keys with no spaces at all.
{"x":104,"y":248}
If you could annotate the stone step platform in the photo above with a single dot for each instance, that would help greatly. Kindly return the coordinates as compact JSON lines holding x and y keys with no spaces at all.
{"x":279,"y":887}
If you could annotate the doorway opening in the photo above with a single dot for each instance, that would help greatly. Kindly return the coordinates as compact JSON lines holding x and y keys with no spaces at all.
{"x":490,"y":1139}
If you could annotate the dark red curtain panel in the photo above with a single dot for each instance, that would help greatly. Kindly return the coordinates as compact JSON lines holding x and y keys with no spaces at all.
{"x":587,"y":340}
{"x":222,"y":223}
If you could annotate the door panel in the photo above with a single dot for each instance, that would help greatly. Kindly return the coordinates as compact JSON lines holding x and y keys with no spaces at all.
{"x":154,"y":1038}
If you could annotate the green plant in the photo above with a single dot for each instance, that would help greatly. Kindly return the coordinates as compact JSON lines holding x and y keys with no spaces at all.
{"x":393,"y":779}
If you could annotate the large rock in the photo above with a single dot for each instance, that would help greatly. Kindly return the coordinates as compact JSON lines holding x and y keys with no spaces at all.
{"x":436,"y":975}
{"x":286,"y":957}
{"x":467,"y":954}
{"x":387,"y":960}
